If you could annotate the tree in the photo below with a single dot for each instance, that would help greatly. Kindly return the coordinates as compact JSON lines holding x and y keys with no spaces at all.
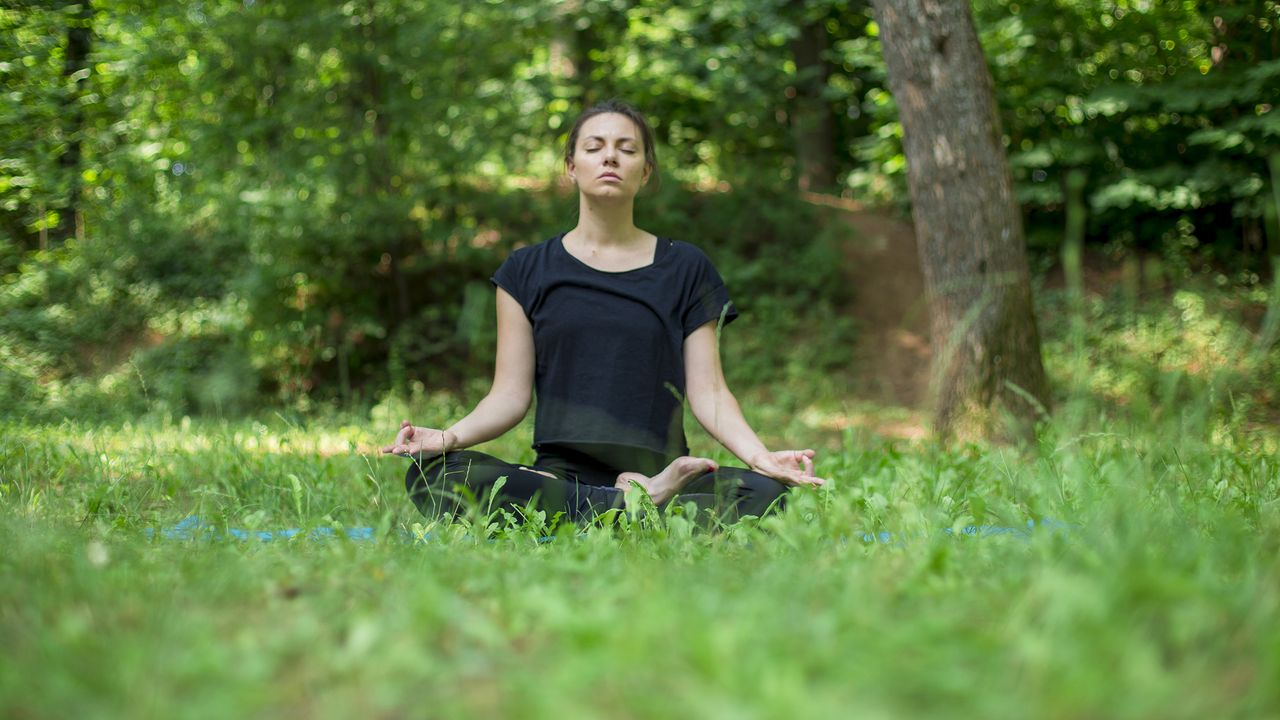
{"x":75,"y":73}
{"x":813,"y":124}
{"x":968,"y":224}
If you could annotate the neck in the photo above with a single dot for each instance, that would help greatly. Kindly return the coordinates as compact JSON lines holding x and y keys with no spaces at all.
{"x":603,"y":224}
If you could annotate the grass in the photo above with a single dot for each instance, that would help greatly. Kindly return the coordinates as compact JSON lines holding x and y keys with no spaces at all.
{"x":1160,"y":600}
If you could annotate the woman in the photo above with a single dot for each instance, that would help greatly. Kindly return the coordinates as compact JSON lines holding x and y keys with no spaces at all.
{"x":614,"y":328}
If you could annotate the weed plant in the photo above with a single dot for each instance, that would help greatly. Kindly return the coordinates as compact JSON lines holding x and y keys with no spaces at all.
{"x":1146,"y":585}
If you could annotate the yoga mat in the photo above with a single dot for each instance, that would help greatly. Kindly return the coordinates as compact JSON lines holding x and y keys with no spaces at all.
{"x":984,"y":531}
{"x":194,"y":528}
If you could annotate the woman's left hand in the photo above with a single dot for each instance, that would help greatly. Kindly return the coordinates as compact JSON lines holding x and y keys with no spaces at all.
{"x":789,"y":467}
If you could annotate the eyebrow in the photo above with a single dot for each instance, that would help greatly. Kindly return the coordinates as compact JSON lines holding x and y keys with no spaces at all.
{"x":624,"y":138}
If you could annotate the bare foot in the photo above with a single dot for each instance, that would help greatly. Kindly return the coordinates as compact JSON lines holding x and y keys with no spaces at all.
{"x":663,"y":486}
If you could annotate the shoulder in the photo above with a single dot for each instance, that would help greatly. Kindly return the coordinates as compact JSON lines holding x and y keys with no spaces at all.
{"x":688,"y":254}
{"x":529,"y":253}
{"x":523,"y":271}
{"x":693,"y":262}
{"x":526,"y":258}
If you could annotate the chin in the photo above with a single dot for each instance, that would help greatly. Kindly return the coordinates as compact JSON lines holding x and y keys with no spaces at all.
{"x":609,"y":191}
{"x":613,"y":197}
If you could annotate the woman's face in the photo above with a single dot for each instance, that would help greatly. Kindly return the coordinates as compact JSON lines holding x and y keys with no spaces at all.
{"x":608,"y":160}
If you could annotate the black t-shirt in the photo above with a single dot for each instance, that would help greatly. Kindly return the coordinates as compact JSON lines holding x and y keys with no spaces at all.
{"x":610,"y":347}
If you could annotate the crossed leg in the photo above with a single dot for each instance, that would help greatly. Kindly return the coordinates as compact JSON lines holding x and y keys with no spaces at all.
{"x":441,"y":484}
{"x":732,"y":493}
{"x":433,"y":485}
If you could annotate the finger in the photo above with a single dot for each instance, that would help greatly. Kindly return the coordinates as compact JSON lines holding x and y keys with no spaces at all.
{"x":808,"y":465}
{"x":806,"y":479}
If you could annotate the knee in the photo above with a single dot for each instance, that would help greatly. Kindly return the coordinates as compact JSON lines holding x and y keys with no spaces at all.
{"x":765,"y":490}
{"x":756,"y":494}
{"x":421,"y":479}
{"x":430,"y":481}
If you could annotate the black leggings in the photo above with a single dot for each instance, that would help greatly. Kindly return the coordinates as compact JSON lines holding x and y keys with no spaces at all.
{"x":581,"y":487}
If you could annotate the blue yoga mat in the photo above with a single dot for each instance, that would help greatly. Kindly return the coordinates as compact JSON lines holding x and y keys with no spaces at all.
{"x":194,"y":528}
{"x":985,"y":531}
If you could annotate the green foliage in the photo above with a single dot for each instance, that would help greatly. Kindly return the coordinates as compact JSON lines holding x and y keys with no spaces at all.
{"x":344,"y":180}
{"x":33,"y":187}
{"x":1189,"y":361}
{"x":1167,"y":109}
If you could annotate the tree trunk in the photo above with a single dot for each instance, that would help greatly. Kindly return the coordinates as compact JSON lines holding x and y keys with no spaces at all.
{"x":986,"y":362}
{"x":591,"y":28}
{"x":811,"y":121}
{"x":585,"y":39}
{"x":75,"y":71}
{"x":380,"y":166}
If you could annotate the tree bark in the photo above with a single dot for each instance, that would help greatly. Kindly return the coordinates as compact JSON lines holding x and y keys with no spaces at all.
{"x":811,"y":121}
{"x":987,"y":363}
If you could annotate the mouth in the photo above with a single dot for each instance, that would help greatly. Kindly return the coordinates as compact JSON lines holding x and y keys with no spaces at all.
{"x":609,"y":176}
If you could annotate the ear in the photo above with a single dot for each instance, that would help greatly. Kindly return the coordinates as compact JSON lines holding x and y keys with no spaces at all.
{"x":568,"y":170}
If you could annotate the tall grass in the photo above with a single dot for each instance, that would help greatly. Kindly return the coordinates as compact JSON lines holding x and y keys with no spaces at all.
{"x":1148,"y":585}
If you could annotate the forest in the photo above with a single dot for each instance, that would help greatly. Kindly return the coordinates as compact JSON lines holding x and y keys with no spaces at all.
{"x":239,"y":205}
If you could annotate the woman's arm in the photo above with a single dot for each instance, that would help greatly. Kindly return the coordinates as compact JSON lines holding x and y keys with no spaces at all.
{"x":508,"y":399}
{"x":512,"y":390}
{"x":718,"y":411}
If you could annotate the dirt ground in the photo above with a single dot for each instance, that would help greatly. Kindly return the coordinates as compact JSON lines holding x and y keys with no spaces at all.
{"x":883,"y":268}
{"x":893,"y":351}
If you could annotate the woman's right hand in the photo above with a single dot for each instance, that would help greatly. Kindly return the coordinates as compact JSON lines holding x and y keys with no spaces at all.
{"x":789,"y":467}
{"x":421,"y":441}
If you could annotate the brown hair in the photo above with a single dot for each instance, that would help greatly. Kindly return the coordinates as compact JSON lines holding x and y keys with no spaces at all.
{"x":621,"y":108}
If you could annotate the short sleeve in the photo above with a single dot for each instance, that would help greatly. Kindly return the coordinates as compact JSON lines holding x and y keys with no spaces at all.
{"x":708,"y":297}
{"x":513,"y":276}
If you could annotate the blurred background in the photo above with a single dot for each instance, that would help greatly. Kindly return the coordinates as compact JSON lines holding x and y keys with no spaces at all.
{"x":220,"y":207}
